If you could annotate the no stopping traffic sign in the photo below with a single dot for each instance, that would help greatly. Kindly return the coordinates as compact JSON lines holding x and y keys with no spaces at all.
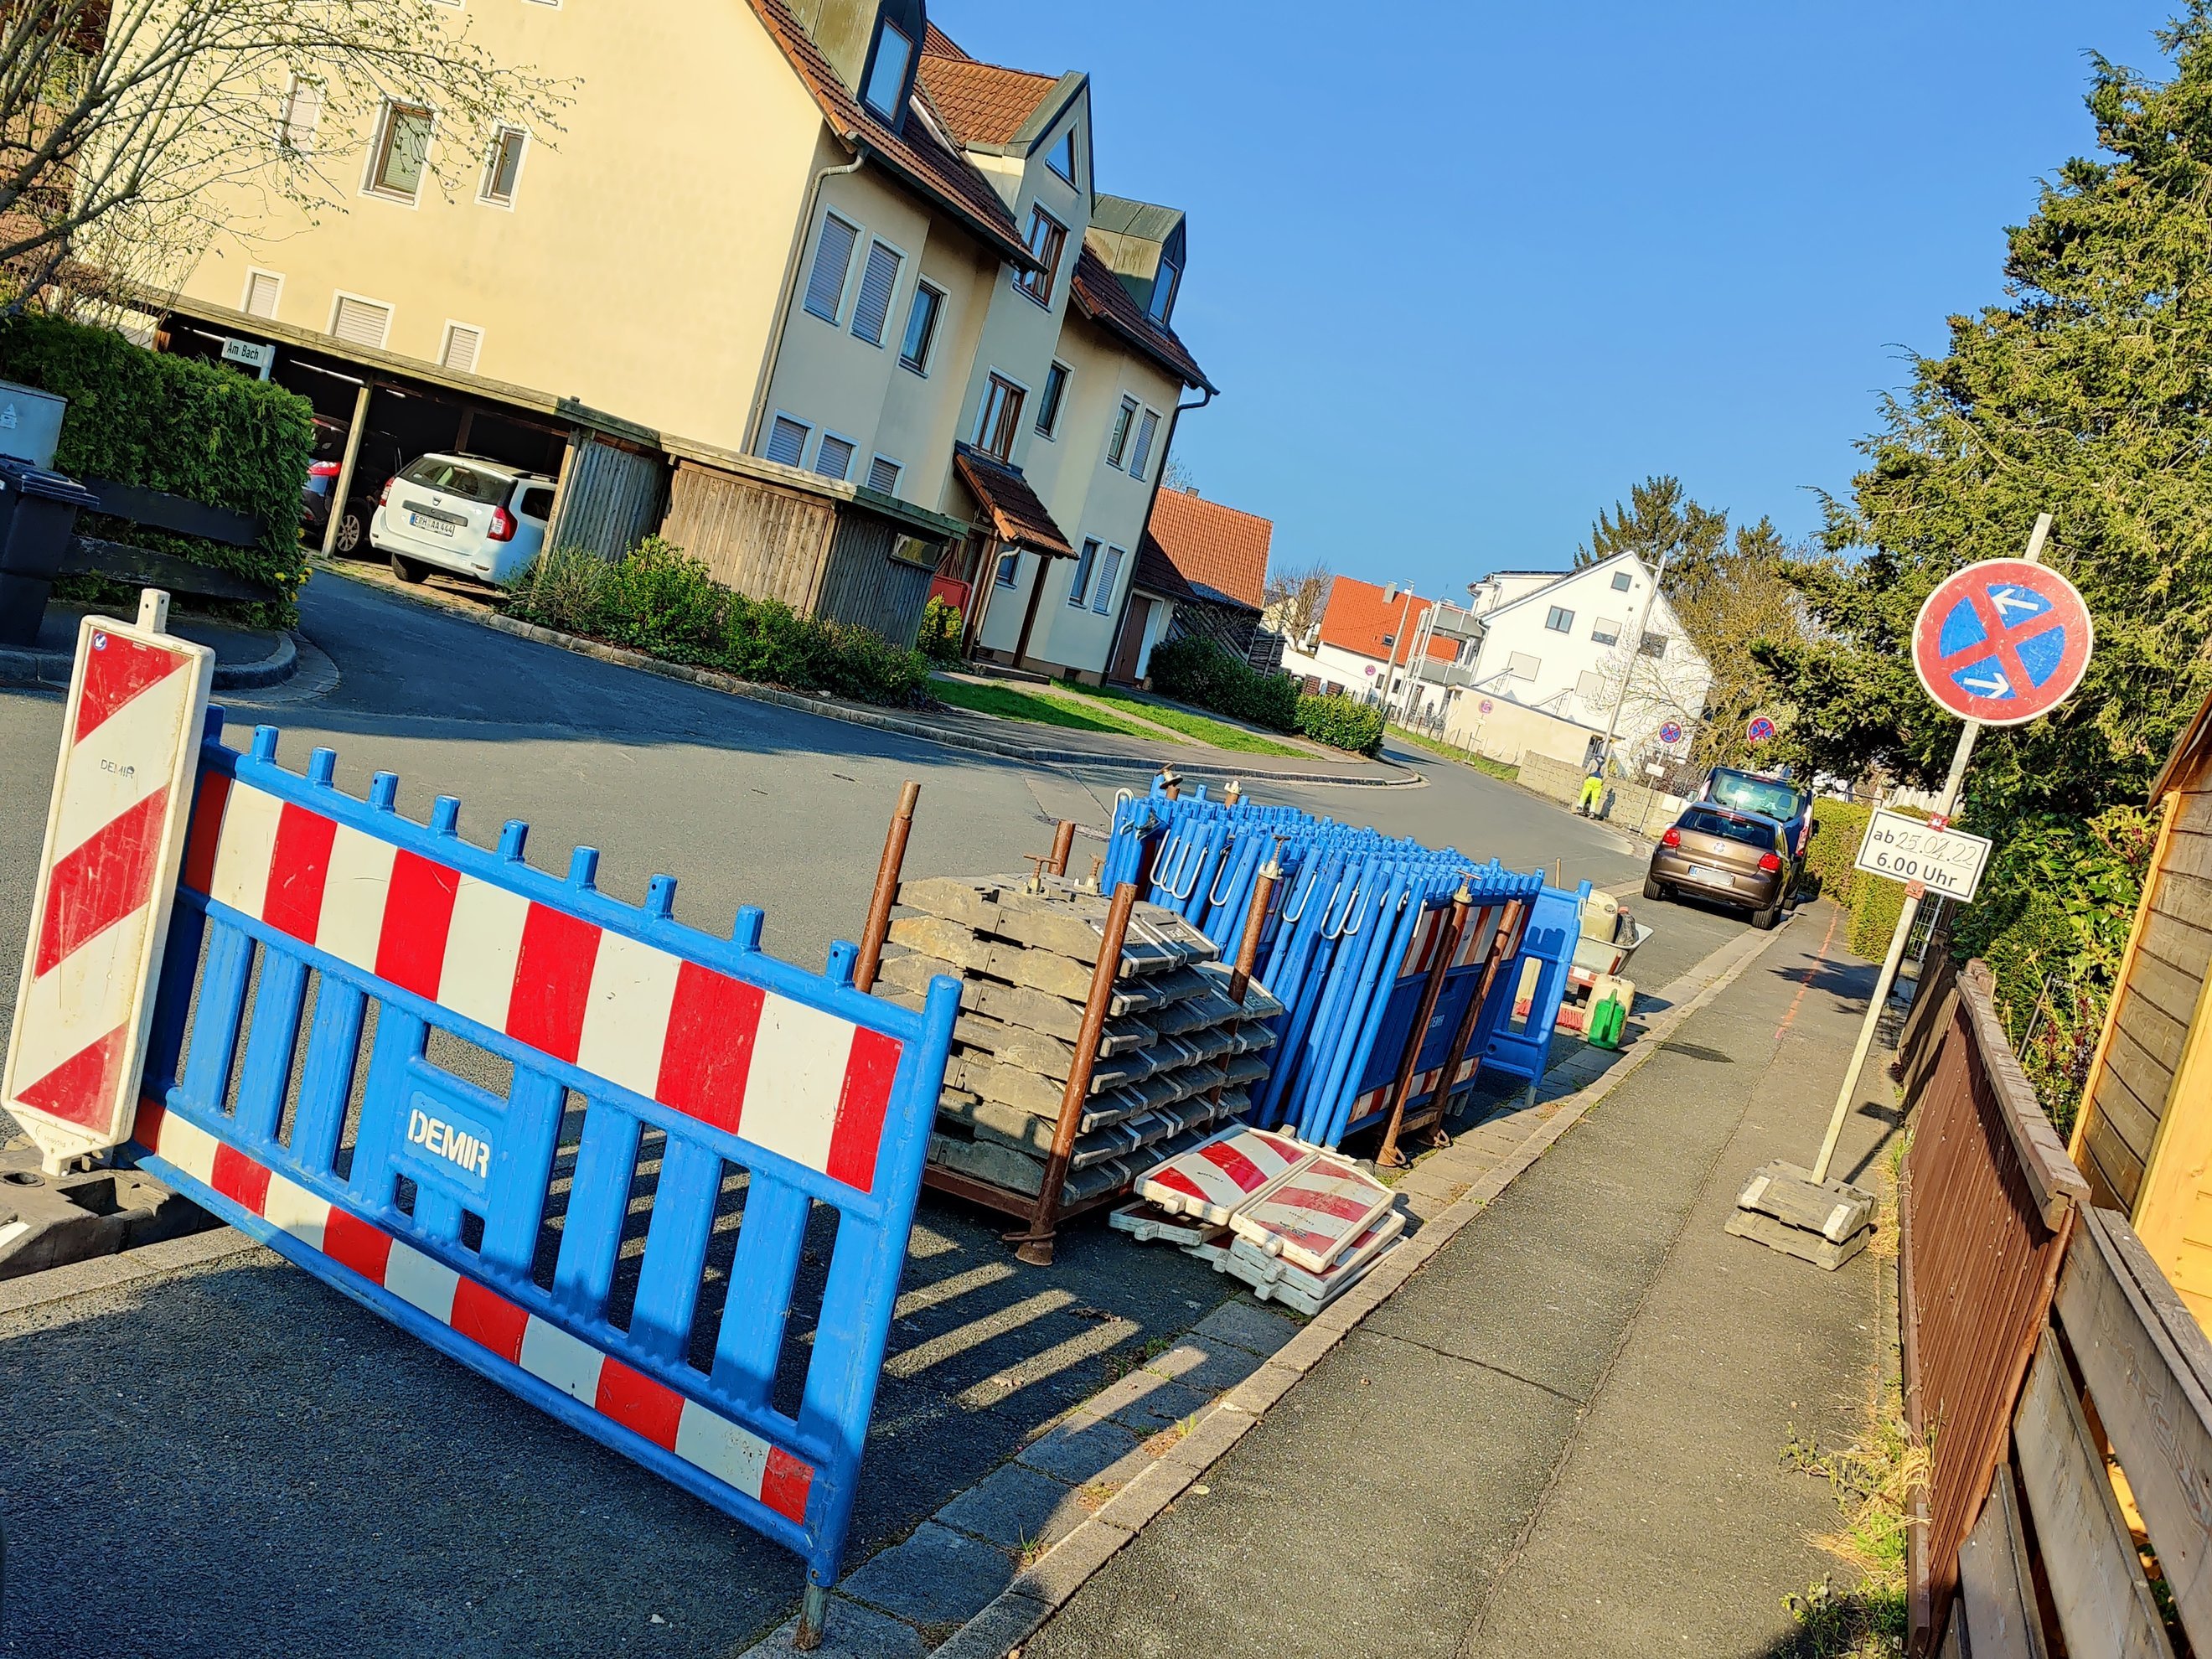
{"x":2002,"y":641}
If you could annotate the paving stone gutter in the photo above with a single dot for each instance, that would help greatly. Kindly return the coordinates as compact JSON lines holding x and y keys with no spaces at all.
{"x":1073,"y":1497}
{"x":981,"y":741}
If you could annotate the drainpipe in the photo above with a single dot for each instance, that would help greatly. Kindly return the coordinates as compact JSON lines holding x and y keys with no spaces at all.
{"x":790,"y":286}
{"x":1159,"y":477}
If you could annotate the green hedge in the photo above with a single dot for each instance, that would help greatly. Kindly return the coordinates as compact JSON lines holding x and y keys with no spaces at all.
{"x":659,"y":600}
{"x":1843,"y":827}
{"x":940,"y":632}
{"x":168,"y":423}
{"x":1342,"y":724}
{"x":1875,"y":904}
{"x":1200,"y":672}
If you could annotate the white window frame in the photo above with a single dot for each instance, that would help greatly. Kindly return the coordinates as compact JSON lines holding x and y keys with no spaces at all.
{"x":885,"y":460}
{"x":369,"y":187}
{"x":1038,"y":210}
{"x":892,"y":310}
{"x":1066,"y":382}
{"x":1101,"y":601}
{"x":1116,"y":429}
{"x":286,"y":117}
{"x":446,"y":346}
{"x":1154,"y":457}
{"x":768,"y":432}
{"x":844,"y":288}
{"x":1009,"y":574}
{"x":484,"y":197}
{"x":851,"y":442}
{"x":937,"y":324}
{"x":246,"y":298}
{"x":391,"y":313}
{"x":1078,"y":583}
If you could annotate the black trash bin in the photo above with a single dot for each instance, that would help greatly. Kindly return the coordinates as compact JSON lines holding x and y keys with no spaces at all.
{"x":38,"y":517}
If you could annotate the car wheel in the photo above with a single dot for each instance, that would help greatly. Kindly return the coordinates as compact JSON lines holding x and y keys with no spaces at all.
{"x":349,"y":538}
{"x":1652,"y":890}
{"x":1765,"y":920}
{"x":407,"y":569}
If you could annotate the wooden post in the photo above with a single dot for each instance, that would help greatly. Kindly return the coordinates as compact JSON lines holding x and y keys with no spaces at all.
{"x":1409,"y":1062}
{"x":342,"y":486}
{"x":887,"y":883}
{"x":1034,"y":1247}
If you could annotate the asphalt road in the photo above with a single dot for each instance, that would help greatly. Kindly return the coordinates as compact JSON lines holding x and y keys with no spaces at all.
{"x":241,"y":1462}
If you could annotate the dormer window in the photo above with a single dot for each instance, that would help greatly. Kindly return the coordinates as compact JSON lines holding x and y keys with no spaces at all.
{"x":887,"y":75}
{"x":1048,"y":240}
{"x":1062,"y":159}
{"x":1163,"y":291}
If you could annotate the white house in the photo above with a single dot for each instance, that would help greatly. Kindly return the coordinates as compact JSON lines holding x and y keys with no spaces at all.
{"x":1569,"y":645}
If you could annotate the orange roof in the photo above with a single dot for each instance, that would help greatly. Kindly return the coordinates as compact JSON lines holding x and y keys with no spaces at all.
{"x":983,"y":103}
{"x":914,"y":154}
{"x":1097,"y":293}
{"x":1357,"y":620}
{"x":1017,"y":514}
{"x":1213,"y":547}
{"x":938,"y":44}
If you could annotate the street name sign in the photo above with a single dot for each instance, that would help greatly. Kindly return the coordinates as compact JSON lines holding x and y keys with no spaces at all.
{"x":2003,"y":642}
{"x":1905,"y":847}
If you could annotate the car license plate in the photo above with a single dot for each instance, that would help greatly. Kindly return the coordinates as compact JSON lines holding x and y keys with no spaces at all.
{"x":436,"y":527}
{"x":1711,"y":877}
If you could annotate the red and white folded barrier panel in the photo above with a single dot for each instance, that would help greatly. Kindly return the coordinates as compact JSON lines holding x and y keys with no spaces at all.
{"x":1314,"y":1217}
{"x":107,"y":878}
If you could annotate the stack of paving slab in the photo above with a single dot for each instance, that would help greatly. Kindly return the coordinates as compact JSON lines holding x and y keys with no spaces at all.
{"x":1297,"y":1223}
{"x":1178,"y":1055}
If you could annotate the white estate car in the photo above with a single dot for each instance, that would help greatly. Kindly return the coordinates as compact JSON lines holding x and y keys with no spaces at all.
{"x":461,"y":513}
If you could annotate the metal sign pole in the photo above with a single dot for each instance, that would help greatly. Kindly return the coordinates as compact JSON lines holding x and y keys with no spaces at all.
{"x":1946,"y":807}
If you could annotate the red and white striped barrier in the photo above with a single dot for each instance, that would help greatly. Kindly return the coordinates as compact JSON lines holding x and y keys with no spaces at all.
{"x":639,"y":1016}
{"x":106,"y":879}
{"x":1213,"y":1181}
{"x":1313,"y":1218}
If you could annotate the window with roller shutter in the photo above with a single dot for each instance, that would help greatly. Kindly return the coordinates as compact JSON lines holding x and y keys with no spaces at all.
{"x":833,"y":258}
{"x":463,"y":342}
{"x":834,"y":458}
{"x":873,"y":307}
{"x":1079,"y":589}
{"x":787,"y":441}
{"x":884,"y":475}
{"x":1148,"y":430}
{"x":263,"y":289}
{"x":360,"y":322}
{"x":1105,"y":601}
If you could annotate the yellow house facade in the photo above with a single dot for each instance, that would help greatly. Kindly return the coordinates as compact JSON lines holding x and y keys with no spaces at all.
{"x":829,"y":302}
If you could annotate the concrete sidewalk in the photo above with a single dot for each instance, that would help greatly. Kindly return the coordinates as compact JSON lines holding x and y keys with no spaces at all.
{"x":1562,"y":1435}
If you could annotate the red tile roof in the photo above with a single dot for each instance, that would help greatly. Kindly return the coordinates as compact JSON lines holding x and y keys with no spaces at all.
{"x":1097,"y":293}
{"x":1357,"y":620}
{"x":1016,"y":512}
{"x":1155,"y":574}
{"x":983,"y":103}
{"x":1219,"y":551}
{"x":915,"y":155}
{"x":938,"y":44}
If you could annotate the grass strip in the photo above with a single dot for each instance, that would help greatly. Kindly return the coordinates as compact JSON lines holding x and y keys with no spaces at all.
{"x":1009,"y":704}
{"x":1219,"y":733}
{"x":1497,"y":769}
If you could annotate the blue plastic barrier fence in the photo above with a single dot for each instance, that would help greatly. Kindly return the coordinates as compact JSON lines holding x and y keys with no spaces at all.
{"x":489,"y":1222}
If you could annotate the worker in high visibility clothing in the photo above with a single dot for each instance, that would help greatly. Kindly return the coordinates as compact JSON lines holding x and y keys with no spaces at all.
{"x":1593,"y":796}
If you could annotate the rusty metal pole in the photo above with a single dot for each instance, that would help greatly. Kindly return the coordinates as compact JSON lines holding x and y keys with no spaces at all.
{"x":1034,"y":1246}
{"x":887,"y":884}
{"x":1170,"y":783}
{"x":1234,"y":794}
{"x":1409,"y":1063}
{"x":1063,"y":843}
{"x":1501,"y":946}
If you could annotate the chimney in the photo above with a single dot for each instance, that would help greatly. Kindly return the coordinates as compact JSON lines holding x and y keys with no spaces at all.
{"x":1390,"y":593}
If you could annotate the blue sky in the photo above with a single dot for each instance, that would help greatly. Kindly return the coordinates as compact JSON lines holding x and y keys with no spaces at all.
{"x":1465,"y":272}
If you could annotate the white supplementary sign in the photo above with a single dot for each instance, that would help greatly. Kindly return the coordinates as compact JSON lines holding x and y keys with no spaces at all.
{"x":249,"y":354}
{"x":1903,"y":847}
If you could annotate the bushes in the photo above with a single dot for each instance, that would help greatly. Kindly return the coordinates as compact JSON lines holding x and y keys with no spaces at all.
{"x":1843,"y":827}
{"x":659,"y":600}
{"x":1342,"y":724}
{"x":940,"y":632}
{"x":168,"y":423}
{"x":1200,"y":672}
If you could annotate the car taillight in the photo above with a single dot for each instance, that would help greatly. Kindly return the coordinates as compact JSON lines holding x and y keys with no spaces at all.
{"x":1769,"y":862}
{"x":1672,"y":838}
{"x":385,"y":499}
{"x":324,"y":469}
{"x":502,"y":525}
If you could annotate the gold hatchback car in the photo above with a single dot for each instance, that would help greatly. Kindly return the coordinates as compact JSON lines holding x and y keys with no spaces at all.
{"x":1737,"y":858}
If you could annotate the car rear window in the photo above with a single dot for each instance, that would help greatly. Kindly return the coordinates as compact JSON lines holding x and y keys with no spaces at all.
{"x":1750,"y":831}
{"x":1779,"y":802}
{"x":451,"y":478}
{"x":535,"y":502}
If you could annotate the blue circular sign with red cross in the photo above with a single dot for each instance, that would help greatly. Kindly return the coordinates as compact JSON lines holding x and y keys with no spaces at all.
{"x":1759,"y":730}
{"x":1670,"y":732}
{"x":2003,"y":642}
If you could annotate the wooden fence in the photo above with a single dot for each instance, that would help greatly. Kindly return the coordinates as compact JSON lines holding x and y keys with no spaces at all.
{"x":2062,"y":1387}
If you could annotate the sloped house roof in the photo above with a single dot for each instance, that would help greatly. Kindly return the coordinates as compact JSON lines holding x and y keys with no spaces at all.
{"x":1369,"y":621}
{"x":1211,"y":552}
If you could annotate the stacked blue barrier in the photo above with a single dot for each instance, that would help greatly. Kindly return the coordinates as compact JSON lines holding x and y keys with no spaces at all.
{"x":1348,"y":945}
